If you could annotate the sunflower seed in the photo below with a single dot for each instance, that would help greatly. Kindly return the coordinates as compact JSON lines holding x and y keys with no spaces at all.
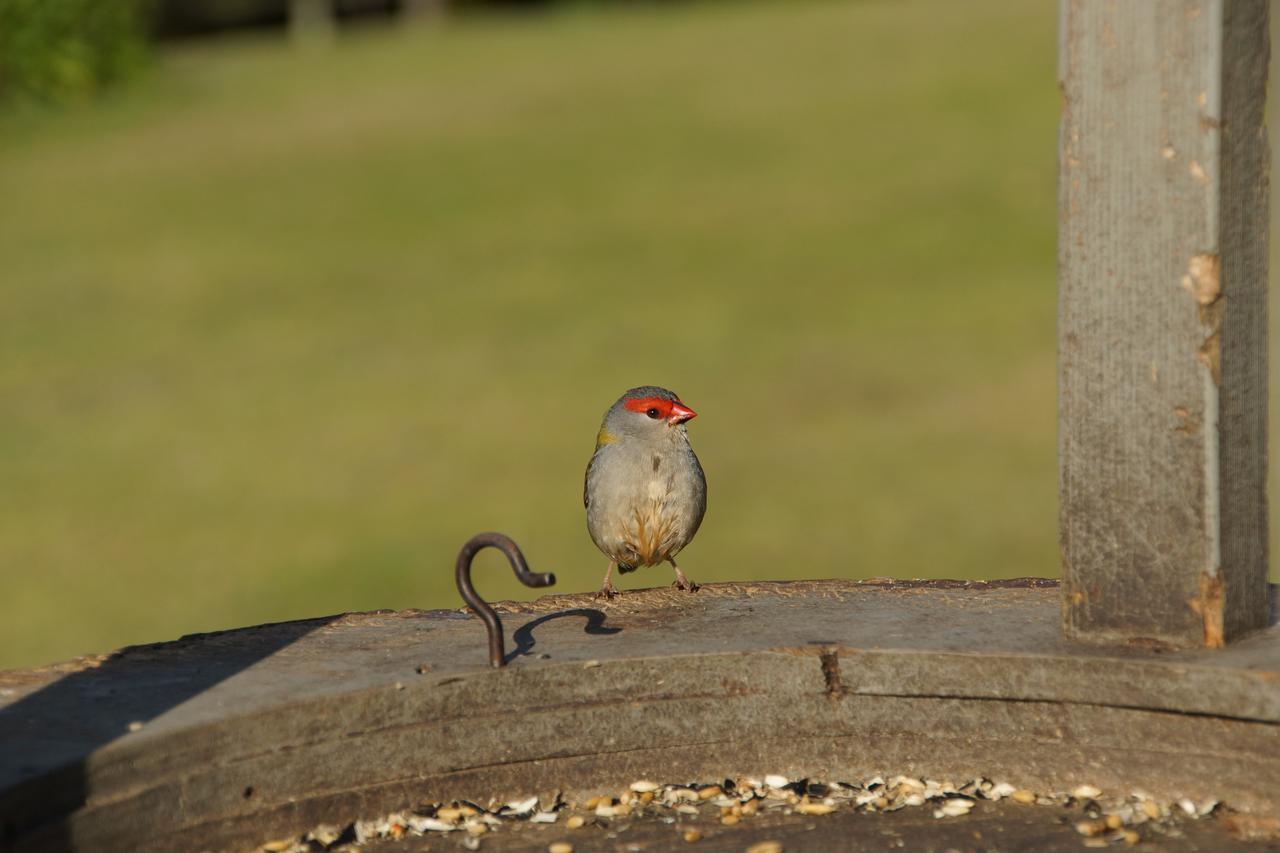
{"x":773,"y":780}
{"x":1000,"y":790}
{"x":521,"y":807}
{"x":544,"y":817}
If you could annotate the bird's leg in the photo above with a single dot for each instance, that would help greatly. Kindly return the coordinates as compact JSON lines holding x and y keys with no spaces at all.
{"x":608,"y":590}
{"x":681,"y":581}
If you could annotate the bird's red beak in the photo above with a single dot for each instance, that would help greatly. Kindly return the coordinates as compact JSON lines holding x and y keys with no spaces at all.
{"x":680,"y":413}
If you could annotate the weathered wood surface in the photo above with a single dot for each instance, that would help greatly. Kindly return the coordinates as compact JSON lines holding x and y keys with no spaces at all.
{"x":265,"y":731}
{"x":1162,"y":319}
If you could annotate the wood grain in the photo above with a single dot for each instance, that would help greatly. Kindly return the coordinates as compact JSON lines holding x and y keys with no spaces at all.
{"x":1163,"y":170}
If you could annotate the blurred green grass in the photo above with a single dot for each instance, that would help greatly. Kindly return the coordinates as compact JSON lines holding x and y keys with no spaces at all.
{"x":282,"y":328}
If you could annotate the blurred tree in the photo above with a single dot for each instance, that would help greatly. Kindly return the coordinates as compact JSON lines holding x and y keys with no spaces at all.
{"x":66,"y":50}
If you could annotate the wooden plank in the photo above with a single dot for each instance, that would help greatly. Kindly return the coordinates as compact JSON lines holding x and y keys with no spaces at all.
{"x":252,"y":734}
{"x":1162,"y":320}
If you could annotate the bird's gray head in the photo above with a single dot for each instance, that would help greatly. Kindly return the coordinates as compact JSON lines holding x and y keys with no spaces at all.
{"x":645,"y":412}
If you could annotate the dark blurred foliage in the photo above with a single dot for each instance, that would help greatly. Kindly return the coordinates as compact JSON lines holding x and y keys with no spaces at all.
{"x":66,"y":50}
{"x":200,"y":17}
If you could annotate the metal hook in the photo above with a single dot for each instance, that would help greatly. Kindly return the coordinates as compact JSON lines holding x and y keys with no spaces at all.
{"x":462,"y":573}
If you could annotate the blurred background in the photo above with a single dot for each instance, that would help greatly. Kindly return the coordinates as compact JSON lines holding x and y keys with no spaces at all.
{"x":297,"y":297}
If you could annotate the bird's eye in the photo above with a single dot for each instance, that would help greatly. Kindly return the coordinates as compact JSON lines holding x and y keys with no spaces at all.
{"x":653,"y":413}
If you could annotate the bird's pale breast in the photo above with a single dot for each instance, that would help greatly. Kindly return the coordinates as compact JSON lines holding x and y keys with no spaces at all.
{"x":644,"y":504}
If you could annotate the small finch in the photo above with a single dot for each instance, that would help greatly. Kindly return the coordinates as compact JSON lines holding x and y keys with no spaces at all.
{"x":645,"y":492}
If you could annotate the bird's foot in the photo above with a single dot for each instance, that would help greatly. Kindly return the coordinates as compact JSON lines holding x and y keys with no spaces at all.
{"x":608,"y":592}
{"x":682,"y":582}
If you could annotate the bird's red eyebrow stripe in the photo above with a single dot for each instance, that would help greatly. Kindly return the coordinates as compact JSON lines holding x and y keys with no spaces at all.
{"x":644,"y":404}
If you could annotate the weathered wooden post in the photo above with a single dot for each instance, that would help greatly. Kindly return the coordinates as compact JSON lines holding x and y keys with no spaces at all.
{"x":1162,"y":336}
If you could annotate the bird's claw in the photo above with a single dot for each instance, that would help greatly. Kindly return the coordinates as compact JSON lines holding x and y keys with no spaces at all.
{"x":685,"y":584}
{"x":608,"y":592}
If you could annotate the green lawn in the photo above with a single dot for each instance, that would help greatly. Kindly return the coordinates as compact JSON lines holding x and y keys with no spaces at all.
{"x":282,"y":328}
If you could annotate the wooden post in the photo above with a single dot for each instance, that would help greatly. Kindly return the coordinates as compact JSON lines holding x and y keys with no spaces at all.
{"x":1162,"y":336}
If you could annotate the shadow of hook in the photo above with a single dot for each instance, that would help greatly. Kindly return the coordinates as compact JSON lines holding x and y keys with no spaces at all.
{"x":462,"y":574}
{"x":524,"y":634}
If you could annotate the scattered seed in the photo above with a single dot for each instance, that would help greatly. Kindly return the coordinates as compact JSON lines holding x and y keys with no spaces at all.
{"x":431,"y":824}
{"x":766,"y":847}
{"x":1188,"y":807}
{"x":1001,"y":790}
{"x":1022,"y":795}
{"x":1113,"y":821}
{"x":749,"y":808}
{"x":523,"y":806}
{"x":476,"y":828}
{"x":685,"y":808}
{"x":277,"y":846}
{"x":575,"y":822}
{"x":1151,"y":808}
{"x":1091,"y":827}
{"x":692,"y":835}
{"x":709,"y":792}
{"x":644,"y":786}
{"x":954,"y":807}
{"x":590,"y":805}
{"x":729,"y":819}
{"x":560,"y":847}
{"x":775,"y":781}
{"x":136,"y":726}
{"x":646,"y":797}
{"x":591,"y":664}
{"x":1086,"y":792}
{"x":1130,"y":837}
{"x":620,"y":810}
{"x":544,"y":817}
{"x":806,"y":807}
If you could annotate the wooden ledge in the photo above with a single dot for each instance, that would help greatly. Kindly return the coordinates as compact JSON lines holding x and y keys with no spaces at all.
{"x":227,"y":738}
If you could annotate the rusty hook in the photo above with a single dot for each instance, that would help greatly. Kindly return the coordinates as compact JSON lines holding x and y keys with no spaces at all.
{"x":462,"y":574}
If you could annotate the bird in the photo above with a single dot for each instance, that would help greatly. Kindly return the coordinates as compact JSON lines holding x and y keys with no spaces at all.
{"x":645,"y":492}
